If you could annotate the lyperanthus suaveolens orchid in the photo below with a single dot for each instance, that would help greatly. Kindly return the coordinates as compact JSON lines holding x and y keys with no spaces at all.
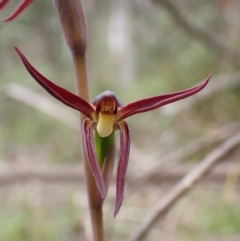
{"x":104,"y":115}
{"x":24,"y":4}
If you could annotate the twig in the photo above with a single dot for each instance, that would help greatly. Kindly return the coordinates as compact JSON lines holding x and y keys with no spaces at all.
{"x":41,"y":104}
{"x":216,"y":176}
{"x":210,"y":39}
{"x":182,"y":187}
{"x":165,"y":165}
{"x":60,"y":175}
{"x":10,"y":175}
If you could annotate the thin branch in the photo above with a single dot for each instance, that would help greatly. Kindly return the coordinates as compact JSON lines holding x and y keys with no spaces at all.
{"x":74,"y":174}
{"x":42,"y":104}
{"x":59,"y":175}
{"x":166,"y":164}
{"x":209,"y":39}
{"x":182,"y":187}
{"x":172,"y":176}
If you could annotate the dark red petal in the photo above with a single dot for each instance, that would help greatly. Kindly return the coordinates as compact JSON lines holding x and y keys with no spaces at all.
{"x":122,"y":163}
{"x":3,"y":3}
{"x":56,"y":91}
{"x":92,"y":158}
{"x":158,"y":101}
{"x":24,"y":4}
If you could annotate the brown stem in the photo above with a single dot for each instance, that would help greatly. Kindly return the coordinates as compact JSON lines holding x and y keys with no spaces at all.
{"x":95,"y":202}
{"x":74,"y":28}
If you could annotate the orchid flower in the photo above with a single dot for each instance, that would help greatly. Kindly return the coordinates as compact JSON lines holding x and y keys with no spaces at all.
{"x":104,"y":115}
{"x":24,"y":4}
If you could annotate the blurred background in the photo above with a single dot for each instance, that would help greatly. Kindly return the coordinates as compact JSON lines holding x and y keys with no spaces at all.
{"x":137,"y":49}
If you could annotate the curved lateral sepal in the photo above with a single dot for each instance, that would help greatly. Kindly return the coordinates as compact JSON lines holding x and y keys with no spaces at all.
{"x":158,"y":101}
{"x":3,"y":3}
{"x":122,"y":164}
{"x":56,"y":91}
{"x":24,"y":4}
{"x":92,"y":158}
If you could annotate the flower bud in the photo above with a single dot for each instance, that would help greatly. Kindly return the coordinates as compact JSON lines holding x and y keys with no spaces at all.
{"x":73,"y":22}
